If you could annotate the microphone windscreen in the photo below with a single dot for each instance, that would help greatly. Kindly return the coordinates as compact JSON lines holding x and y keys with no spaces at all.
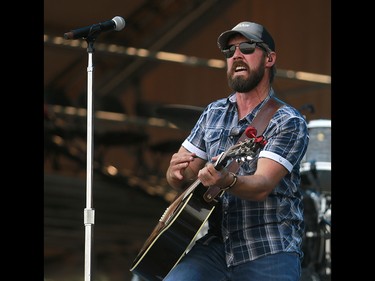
{"x":119,"y":22}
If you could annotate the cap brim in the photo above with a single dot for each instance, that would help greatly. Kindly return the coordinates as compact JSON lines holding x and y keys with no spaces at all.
{"x":224,"y":37}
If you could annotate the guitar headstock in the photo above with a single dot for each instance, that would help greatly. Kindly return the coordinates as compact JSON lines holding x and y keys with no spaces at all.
{"x":244,"y":150}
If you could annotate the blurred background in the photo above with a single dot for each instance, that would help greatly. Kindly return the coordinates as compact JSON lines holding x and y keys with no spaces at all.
{"x":151,"y":81}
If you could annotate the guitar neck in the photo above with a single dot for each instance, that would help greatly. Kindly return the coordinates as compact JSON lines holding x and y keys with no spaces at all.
{"x":188,"y":190}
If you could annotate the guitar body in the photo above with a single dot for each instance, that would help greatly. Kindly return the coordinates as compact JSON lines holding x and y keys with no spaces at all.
{"x":173,"y":235}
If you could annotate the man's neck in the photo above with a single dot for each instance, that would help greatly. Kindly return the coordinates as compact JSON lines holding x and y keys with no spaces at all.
{"x":246,"y":102}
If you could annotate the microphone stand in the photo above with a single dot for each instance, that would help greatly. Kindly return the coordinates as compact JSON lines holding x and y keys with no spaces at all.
{"x":89,"y":211}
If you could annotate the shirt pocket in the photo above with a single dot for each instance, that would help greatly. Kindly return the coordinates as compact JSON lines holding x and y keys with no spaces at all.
{"x":213,"y":139}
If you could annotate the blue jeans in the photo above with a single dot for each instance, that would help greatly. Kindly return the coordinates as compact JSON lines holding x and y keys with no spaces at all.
{"x":207,"y":262}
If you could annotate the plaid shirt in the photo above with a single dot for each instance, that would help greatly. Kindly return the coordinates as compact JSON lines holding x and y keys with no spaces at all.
{"x":253,"y":229}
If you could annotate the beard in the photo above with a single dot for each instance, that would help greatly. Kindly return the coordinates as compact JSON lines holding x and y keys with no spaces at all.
{"x":240,"y":83}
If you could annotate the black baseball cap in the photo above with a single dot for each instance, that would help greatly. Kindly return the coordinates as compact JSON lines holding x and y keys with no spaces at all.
{"x":251,"y":30}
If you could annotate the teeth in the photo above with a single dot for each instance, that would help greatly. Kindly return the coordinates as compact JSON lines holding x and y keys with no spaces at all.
{"x":240,"y":68}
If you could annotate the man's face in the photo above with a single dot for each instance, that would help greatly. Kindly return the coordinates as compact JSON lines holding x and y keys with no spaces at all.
{"x":244,"y":71}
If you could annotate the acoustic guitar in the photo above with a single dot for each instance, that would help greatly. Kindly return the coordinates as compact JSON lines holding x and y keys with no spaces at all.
{"x":183,"y":219}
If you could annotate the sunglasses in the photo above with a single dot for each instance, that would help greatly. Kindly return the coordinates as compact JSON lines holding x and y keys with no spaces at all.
{"x":245,"y":47}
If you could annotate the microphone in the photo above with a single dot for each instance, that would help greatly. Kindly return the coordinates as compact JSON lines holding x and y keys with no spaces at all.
{"x":117,"y":23}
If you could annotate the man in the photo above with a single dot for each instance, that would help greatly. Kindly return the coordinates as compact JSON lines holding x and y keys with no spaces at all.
{"x":256,"y":229}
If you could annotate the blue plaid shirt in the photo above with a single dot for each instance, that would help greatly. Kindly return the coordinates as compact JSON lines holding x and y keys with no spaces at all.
{"x":253,"y":229}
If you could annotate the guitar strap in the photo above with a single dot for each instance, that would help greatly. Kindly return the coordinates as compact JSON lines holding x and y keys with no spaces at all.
{"x":260,"y":123}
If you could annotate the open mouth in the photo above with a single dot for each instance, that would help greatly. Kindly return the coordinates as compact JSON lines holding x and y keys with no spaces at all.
{"x":240,"y":68}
